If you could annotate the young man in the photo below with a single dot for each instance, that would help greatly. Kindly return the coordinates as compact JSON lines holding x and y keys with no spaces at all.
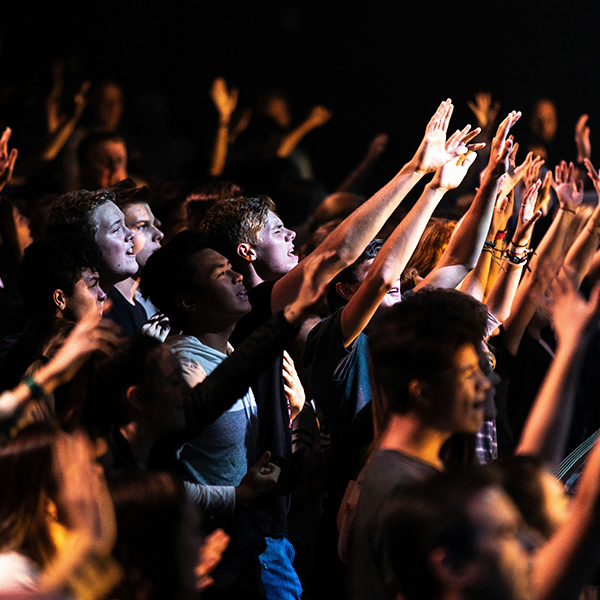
{"x":427,"y":386}
{"x":255,"y":240}
{"x":59,"y":277}
{"x":336,"y":355}
{"x":96,"y":216}
{"x":456,"y":537}
{"x":102,"y":160}
{"x":196,"y":288}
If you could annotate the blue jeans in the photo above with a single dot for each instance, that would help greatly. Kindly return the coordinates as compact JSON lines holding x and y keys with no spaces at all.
{"x":277,"y":573}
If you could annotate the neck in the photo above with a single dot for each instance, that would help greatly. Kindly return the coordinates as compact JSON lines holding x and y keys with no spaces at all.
{"x":141,"y":438}
{"x":127,"y":287}
{"x":214,"y":339}
{"x":251,"y":277}
{"x":407,"y":434}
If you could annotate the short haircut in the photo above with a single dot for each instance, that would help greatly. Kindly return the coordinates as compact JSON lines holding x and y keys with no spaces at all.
{"x":349,"y":274}
{"x":235,"y":221}
{"x":72,"y":212}
{"x":127,"y":192}
{"x":168,"y":272}
{"x":421,"y":517}
{"x":93,"y":139}
{"x":56,"y":262}
{"x":418,"y":338}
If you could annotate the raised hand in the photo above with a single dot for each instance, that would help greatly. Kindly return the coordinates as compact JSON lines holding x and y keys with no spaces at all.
{"x":434,"y":151}
{"x":514,"y":173}
{"x":568,"y":187}
{"x":224,"y":100}
{"x":319,"y":115}
{"x":582,"y":139}
{"x":501,"y":147}
{"x":531,"y":174}
{"x":543,"y":200}
{"x":7,"y":160}
{"x":485,"y":112}
{"x":573,"y":318}
{"x":450,"y":175}
{"x":157,"y":326}
{"x":377,"y":146}
{"x":527,"y":216}
{"x":503,"y":211}
{"x":593,"y":175}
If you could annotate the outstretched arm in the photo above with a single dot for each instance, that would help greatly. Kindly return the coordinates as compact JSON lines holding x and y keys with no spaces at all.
{"x":465,"y":247}
{"x":391,"y":260}
{"x":501,"y":296}
{"x":354,"y":182}
{"x":574,"y":320}
{"x":225,"y":102}
{"x":319,"y":115}
{"x":346,"y":243}
{"x":549,"y":251}
{"x":581,"y":253}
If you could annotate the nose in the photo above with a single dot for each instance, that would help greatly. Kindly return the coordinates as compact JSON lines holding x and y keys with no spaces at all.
{"x":236,"y":277}
{"x":128,"y":233}
{"x":158,"y":235}
{"x":290,"y":235}
{"x":101,"y":296}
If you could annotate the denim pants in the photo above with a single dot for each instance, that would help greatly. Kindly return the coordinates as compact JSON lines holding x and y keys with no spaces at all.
{"x":277,"y":573}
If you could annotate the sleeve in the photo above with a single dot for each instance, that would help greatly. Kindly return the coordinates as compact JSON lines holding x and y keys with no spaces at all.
{"x":323,"y":353}
{"x":214,"y":500}
{"x":231,"y":379}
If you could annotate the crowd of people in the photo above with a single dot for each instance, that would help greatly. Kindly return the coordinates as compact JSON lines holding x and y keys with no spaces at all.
{"x":334,"y":396}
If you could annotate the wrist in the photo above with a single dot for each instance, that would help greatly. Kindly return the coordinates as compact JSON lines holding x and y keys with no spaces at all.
{"x":566,"y":209}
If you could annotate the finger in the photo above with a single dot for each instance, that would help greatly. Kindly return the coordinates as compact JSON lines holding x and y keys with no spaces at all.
{"x":477,"y":146}
{"x":448,"y":115}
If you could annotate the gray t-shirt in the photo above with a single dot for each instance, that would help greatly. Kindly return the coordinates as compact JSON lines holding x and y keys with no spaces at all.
{"x":387,"y":471}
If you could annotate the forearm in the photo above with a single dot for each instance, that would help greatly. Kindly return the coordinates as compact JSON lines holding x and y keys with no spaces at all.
{"x":545,"y":432}
{"x":475,"y":283}
{"x":388,"y":265}
{"x":219,"y":154}
{"x":465,"y":247}
{"x":292,"y":139}
{"x":581,"y":254}
{"x":500,"y":299}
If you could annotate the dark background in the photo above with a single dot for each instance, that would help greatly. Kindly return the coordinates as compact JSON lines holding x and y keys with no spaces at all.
{"x":379,"y":66}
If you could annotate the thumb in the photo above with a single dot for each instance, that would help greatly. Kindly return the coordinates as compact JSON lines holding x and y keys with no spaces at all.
{"x":264,"y":459}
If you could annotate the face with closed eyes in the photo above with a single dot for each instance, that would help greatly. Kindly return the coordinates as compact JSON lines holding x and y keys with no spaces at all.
{"x":274,"y":255}
{"x":115,"y":242}
{"x":147,"y":236}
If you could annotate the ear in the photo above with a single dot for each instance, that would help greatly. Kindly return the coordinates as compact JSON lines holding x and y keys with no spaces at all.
{"x":134,"y":397}
{"x":246,"y":251}
{"x":185,"y":301}
{"x":59,"y":299}
{"x":444,"y":569}
{"x":418,"y":392}
{"x":344,"y":290}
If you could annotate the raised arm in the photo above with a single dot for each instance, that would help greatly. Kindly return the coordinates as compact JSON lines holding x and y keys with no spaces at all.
{"x":550,"y":250}
{"x":466,"y":245}
{"x":580,"y":255}
{"x":346,"y":243}
{"x":354,"y":182}
{"x":319,"y":115}
{"x":391,"y":260}
{"x":225,"y":102}
{"x":574,"y":320}
{"x":500,"y":298}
